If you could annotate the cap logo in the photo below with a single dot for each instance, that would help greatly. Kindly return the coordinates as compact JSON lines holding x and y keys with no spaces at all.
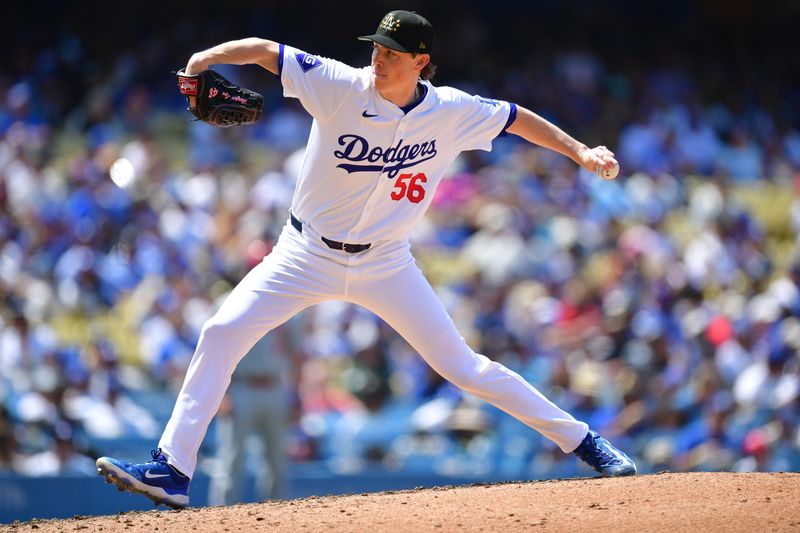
{"x":422,"y":46}
{"x":389,"y":23}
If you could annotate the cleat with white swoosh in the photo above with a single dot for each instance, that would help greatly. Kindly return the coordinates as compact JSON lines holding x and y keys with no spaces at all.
{"x":601,"y":455}
{"x":155,"y":479}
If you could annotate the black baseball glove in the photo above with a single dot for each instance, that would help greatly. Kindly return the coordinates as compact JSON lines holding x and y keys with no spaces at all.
{"x":219,"y":102}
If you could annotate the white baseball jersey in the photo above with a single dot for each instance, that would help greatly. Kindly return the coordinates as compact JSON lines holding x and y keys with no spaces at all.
{"x":371,"y":168}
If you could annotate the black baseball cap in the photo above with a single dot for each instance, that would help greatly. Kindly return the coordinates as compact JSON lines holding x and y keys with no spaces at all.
{"x":405,"y":31}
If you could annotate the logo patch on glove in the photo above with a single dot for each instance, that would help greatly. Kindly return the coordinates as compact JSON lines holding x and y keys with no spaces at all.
{"x":188,"y":86}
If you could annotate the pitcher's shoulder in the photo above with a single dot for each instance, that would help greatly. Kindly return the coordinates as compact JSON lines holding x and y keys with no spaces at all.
{"x":449,"y":96}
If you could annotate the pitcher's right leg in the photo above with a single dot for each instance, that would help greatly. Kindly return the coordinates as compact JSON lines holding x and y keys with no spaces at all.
{"x":407,"y":302}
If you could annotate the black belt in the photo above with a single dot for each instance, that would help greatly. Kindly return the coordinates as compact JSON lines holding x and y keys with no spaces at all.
{"x":336,"y":245}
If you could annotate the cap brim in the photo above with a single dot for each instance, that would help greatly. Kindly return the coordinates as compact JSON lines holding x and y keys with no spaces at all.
{"x":388,"y":42}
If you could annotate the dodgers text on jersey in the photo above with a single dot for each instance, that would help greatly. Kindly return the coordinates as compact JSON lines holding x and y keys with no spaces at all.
{"x":357,"y":150}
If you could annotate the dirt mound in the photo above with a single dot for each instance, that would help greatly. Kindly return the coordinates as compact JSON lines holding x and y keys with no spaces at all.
{"x":658,"y":502}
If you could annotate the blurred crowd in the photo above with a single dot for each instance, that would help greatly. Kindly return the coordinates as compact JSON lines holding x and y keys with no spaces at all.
{"x":661,"y":308}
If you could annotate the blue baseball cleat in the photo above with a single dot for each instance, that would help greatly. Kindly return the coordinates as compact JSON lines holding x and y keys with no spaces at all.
{"x":155,"y":479}
{"x":598,"y":453}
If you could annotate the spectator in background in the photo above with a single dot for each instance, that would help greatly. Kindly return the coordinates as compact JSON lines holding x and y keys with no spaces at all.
{"x":741,"y":159}
{"x":62,"y":458}
{"x":697,"y":145}
{"x":8,"y":445}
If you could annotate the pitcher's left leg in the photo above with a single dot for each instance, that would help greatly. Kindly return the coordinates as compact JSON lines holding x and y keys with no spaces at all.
{"x":407,"y":302}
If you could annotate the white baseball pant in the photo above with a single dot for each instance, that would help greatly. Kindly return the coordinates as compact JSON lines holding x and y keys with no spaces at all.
{"x":302,"y":271}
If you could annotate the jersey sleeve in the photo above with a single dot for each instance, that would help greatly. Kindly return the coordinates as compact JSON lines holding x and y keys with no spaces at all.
{"x":480,"y":121}
{"x":321,"y":84}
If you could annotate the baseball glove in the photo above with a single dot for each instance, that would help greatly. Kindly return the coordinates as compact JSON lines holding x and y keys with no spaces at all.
{"x":219,"y":102}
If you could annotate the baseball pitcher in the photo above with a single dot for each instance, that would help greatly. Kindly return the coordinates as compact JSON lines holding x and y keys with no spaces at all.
{"x":381,"y":139}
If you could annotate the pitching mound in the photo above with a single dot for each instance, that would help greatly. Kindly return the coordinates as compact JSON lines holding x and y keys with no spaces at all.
{"x":659,"y":502}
